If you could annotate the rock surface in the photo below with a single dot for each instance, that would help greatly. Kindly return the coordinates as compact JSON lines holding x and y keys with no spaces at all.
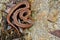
{"x":46,"y":15}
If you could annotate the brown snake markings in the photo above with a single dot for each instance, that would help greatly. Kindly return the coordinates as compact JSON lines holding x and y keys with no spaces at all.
{"x":22,"y":13}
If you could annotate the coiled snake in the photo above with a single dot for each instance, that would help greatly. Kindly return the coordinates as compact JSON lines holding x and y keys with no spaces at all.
{"x":22,"y":13}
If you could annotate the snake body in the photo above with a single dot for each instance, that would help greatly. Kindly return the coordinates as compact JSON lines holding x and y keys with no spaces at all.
{"x":19,"y":10}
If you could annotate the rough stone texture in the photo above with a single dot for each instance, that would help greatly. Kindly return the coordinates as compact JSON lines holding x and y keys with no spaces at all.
{"x":46,"y":15}
{"x":4,"y":1}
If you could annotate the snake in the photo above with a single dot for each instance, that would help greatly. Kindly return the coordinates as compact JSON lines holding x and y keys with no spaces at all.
{"x":22,"y":12}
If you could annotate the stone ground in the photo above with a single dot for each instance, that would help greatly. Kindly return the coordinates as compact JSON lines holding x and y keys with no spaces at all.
{"x":46,"y":14}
